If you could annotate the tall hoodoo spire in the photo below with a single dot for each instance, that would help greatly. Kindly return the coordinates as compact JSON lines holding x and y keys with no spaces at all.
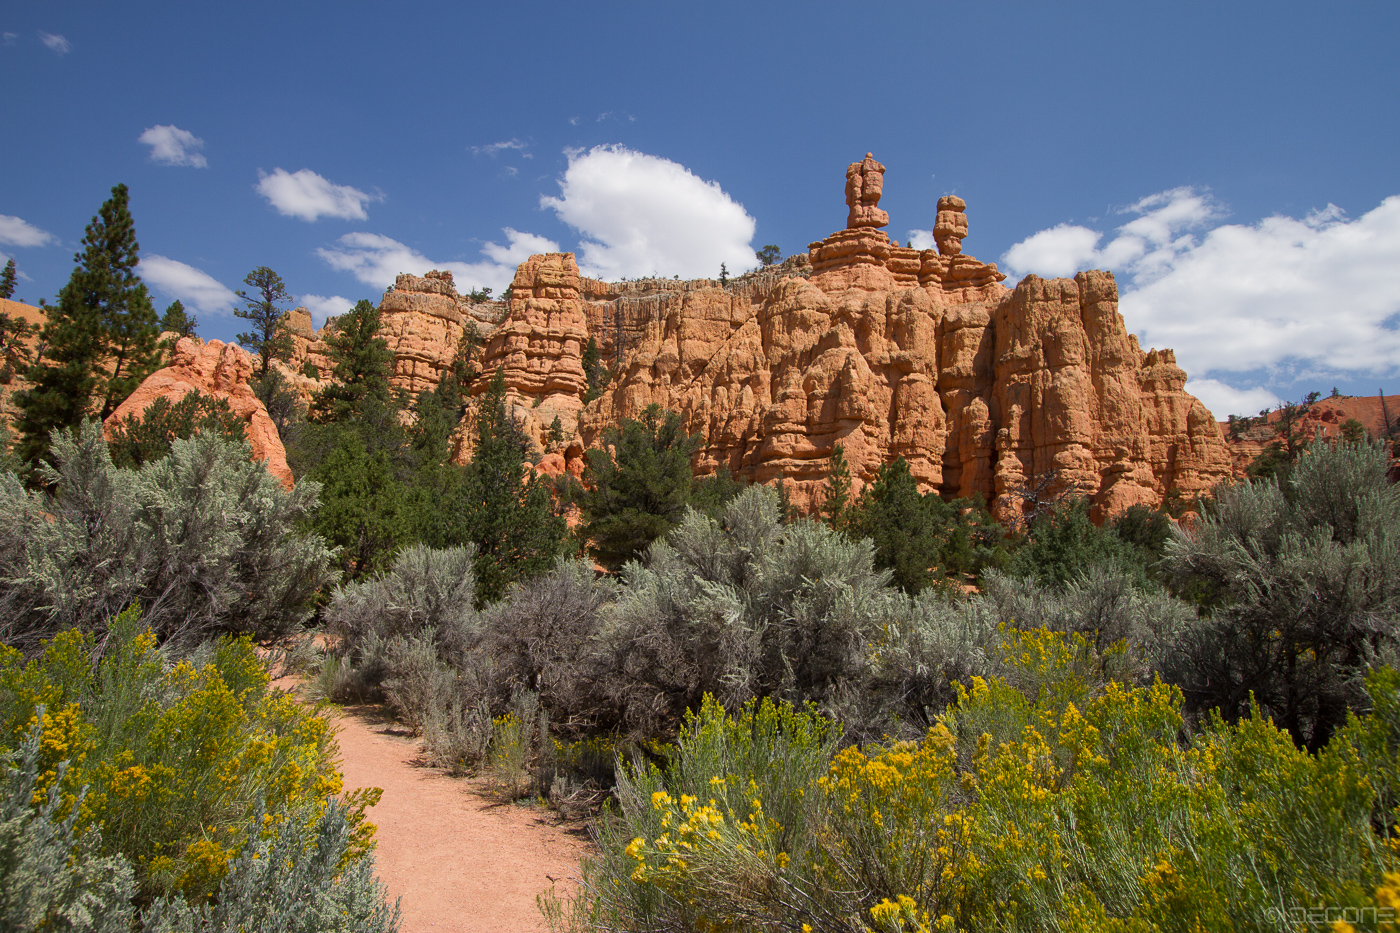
{"x":865,"y":181}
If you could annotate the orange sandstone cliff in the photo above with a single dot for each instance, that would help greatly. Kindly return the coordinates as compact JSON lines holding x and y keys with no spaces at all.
{"x":422,"y":319}
{"x":885,"y":350}
{"x":890,"y":351}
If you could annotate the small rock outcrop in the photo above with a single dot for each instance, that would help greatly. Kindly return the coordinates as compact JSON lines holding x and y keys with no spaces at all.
{"x":221,"y":371}
{"x":865,"y":182}
{"x":950,"y":225}
{"x":1378,"y":416}
{"x":421,"y":318}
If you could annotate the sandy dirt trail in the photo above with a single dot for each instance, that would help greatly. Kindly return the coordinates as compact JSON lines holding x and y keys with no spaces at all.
{"x":458,"y":861}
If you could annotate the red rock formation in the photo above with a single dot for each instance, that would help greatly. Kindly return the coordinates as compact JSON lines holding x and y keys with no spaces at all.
{"x":891,"y":352}
{"x":540,"y":345}
{"x":885,"y":350}
{"x":950,"y":225}
{"x":221,"y":371}
{"x":865,"y":182}
{"x":422,"y":319}
{"x":1323,"y":418}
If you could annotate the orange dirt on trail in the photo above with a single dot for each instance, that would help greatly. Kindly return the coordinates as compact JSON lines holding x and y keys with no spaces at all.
{"x":457,"y":861}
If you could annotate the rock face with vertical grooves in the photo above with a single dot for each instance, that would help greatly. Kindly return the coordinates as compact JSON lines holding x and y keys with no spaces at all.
{"x":421,"y":319}
{"x":888,"y":351}
{"x":925,"y":354}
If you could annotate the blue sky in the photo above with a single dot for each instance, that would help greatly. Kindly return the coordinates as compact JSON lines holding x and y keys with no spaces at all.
{"x":1236,"y":165}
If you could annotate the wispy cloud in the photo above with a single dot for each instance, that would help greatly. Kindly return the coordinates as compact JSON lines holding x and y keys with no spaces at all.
{"x":1144,"y":247}
{"x":493,"y":149}
{"x":1281,"y":297}
{"x":309,"y":196}
{"x":17,"y":232}
{"x":171,"y":145}
{"x":376,"y":260}
{"x":9,"y":38}
{"x":55,"y":43}
{"x":641,"y":215}
{"x":194,"y":287}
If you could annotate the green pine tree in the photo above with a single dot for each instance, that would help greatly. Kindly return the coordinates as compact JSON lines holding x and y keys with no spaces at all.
{"x":8,"y":280}
{"x":16,"y":335}
{"x":594,"y":371}
{"x":770,"y":254}
{"x":440,"y":410}
{"x":907,"y":527}
{"x":178,"y":321}
{"x":268,"y":340}
{"x":508,"y":516}
{"x":362,"y":509}
{"x":362,"y":364}
{"x":100,"y":339}
{"x":836,"y":498}
{"x":638,"y":484}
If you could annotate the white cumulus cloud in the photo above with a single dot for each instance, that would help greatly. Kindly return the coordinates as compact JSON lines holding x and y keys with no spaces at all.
{"x":1061,"y":250}
{"x":17,"y":232}
{"x":641,"y":215}
{"x":308,"y":196}
{"x":1316,"y":297}
{"x":171,"y":145}
{"x":1224,"y":400}
{"x":921,"y":239}
{"x":322,"y":307}
{"x":55,"y":43}
{"x":377,"y":260}
{"x":1144,"y":247}
{"x":195,"y":288}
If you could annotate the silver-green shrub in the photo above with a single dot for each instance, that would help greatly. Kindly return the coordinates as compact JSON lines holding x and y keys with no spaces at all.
{"x":48,"y":879}
{"x":398,"y":625}
{"x":739,"y":607}
{"x":1301,"y":582}
{"x":542,"y":640}
{"x":1104,"y":603}
{"x":425,"y":588}
{"x":205,"y":540}
{"x":292,"y":883}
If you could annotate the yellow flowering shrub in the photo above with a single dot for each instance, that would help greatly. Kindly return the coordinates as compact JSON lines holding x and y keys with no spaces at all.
{"x":1042,"y":800}
{"x":178,"y":759}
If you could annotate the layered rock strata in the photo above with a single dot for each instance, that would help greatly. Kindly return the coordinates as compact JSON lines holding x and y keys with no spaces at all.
{"x":220,"y":371}
{"x":539,"y":347}
{"x":889,"y":351}
{"x":422,"y":319}
{"x":885,"y":350}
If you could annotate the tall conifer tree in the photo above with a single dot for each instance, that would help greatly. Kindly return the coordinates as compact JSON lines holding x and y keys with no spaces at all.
{"x":510,"y":518}
{"x":263,"y":307}
{"x":362,"y":363}
{"x":8,"y":280}
{"x":100,"y":340}
{"x":179,"y":321}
